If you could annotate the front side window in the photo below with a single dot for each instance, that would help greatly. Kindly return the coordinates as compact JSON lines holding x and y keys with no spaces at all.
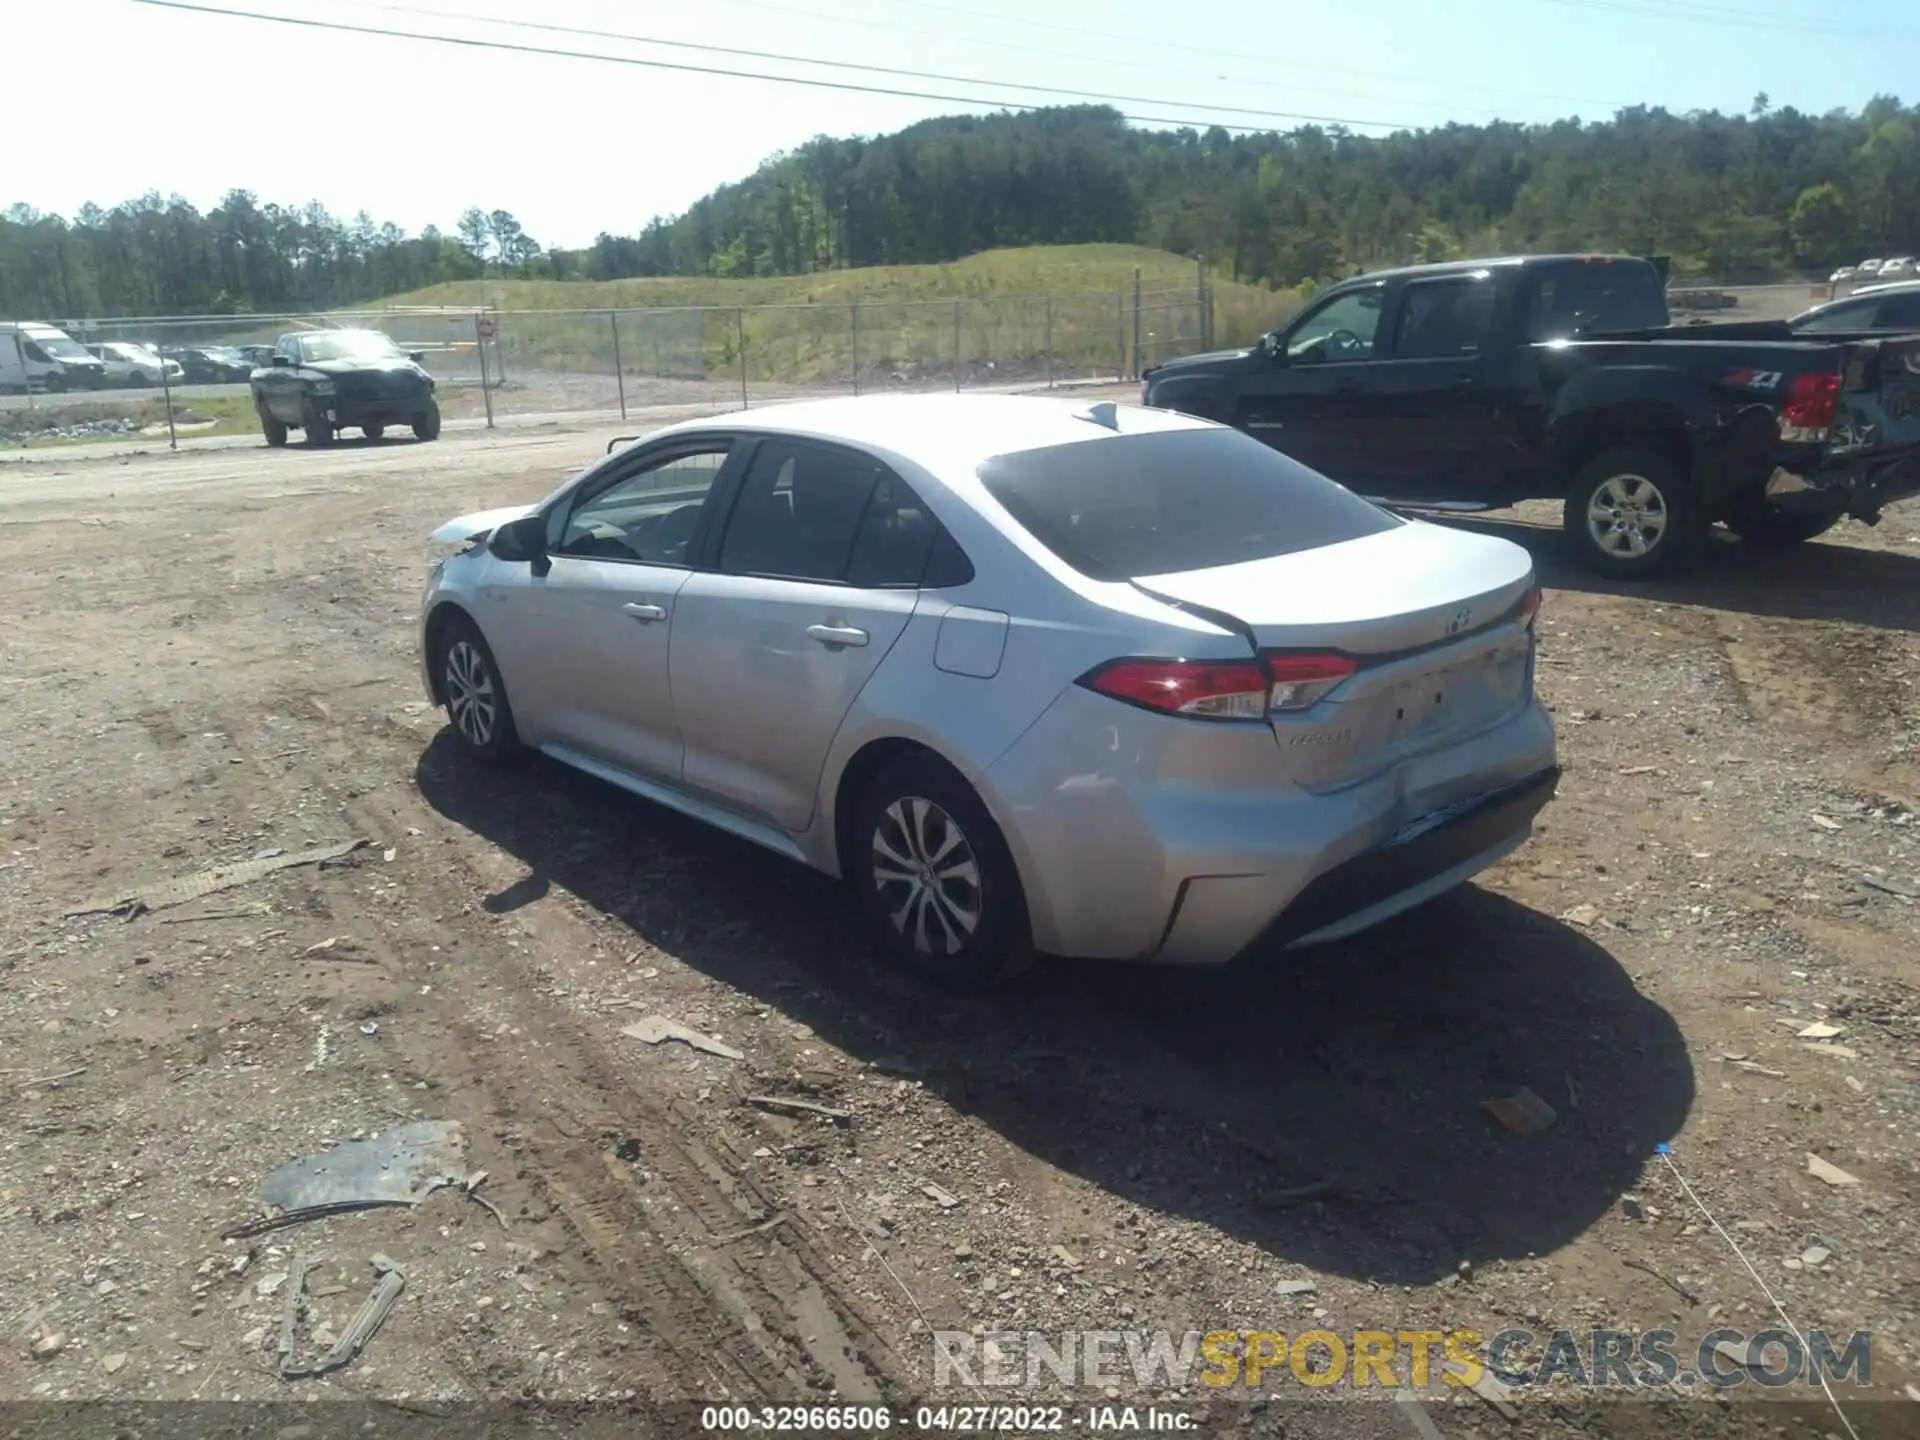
{"x":1129,"y":506}
{"x":1342,"y":329}
{"x":801,"y":508}
{"x":1898,"y":312}
{"x":1443,"y":319}
{"x":649,"y":516}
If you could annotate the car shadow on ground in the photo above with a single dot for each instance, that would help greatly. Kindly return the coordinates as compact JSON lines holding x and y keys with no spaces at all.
{"x":1817,"y":581}
{"x":1325,"y":1105}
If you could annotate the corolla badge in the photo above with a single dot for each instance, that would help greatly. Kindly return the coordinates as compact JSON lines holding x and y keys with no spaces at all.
{"x":1462,"y":618}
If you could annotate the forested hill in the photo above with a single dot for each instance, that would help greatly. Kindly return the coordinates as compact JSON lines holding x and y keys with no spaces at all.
{"x":1732,"y":197}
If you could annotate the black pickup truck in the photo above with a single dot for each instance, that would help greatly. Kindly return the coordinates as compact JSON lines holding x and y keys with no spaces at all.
{"x":1477,"y":384}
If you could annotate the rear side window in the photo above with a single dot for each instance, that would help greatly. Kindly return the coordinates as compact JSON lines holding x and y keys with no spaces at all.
{"x":1581,"y":299}
{"x":1443,"y":319}
{"x":799,"y":511}
{"x":1839,"y":319}
{"x":1158,"y":504}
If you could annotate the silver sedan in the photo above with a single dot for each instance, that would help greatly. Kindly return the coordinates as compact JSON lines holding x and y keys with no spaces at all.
{"x":1034,"y":678}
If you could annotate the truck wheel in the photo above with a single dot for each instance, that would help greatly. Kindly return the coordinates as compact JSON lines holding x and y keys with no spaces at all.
{"x":426,"y":424}
{"x":373,"y":432}
{"x":274,"y":430}
{"x":319,"y":432}
{"x":55,"y":384}
{"x":1632,"y":512}
{"x":1757,"y":521}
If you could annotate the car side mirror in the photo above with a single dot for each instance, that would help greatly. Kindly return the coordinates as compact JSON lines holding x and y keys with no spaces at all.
{"x":520,"y":541}
{"x":1273,"y":346}
{"x":280,"y":360}
{"x":416,"y":356}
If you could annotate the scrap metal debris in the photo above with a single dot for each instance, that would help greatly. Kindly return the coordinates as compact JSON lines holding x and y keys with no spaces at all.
{"x":365,"y":1324}
{"x":290,"y":1314}
{"x":165,"y":894}
{"x":472,"y":1186}
{"x":401,"y":1167}
{"x":658,"y":1029}
{"x":1831,"y":1173}
{"x":942,"y":1197}
{"x":1523,"y":1112}
{"x":782,"y":1102}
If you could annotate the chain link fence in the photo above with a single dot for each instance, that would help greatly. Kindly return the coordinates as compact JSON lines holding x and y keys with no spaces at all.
{"x":636,"y":364}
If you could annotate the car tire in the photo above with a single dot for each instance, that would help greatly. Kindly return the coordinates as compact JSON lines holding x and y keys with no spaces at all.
{"x":1632,"y":513}
{"x":426,"y":424}
{"x":474,"y":694}
{"x":918,"y":819}
{"x":373,"y":432}
{"x":319,"y":432}
{"x":55,"y":384}
{"x":1759,"y":522}
{"x":274,"y":430}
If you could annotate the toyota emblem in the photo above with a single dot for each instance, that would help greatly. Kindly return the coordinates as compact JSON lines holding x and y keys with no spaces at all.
{"x":1461,"y":619}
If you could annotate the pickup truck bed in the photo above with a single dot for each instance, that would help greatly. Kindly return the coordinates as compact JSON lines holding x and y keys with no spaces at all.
{"x":1476,"y":385}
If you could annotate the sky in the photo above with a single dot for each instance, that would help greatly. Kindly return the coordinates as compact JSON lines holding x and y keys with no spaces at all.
{"x":121,"y":97}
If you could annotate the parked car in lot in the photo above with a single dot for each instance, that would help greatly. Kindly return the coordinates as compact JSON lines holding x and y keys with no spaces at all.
{"x":1478,"y":384}
{"x":1898,"y":268}
{"x":324,"y":381}
{"x":34,"y":356}
{"x":135,"y":365}
{"x":1113,"y":682}
{"x":1869,"y":269}
{"x":255,"y":355}
{"x":1841,"y":276}
{"x":210,"y":364}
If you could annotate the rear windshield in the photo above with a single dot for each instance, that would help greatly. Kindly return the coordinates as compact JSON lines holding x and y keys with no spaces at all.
{"x":1161,"y":503}
{"x":1582,"y":299}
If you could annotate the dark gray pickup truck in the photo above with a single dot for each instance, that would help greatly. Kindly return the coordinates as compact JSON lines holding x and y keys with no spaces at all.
{"x":1475,"y":385}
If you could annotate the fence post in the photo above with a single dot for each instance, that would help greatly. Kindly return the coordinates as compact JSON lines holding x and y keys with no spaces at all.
{"x":856,"y":346}
{"x":956,"y":347}
{"x":1049,"y":342}
{"x":1206,"y":306}
{"x":166,"y":389}
{"x":619,"y":371}
{"x":1134,"y":372}
{"x":480,"y":346}
{"x":1120,"y":333}
{"x":740,"y":343}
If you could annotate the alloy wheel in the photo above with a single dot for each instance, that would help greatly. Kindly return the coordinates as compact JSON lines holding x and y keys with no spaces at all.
{"x":1627,"y":515}
{"x":927,"y":875}
{"x":470,"y":693}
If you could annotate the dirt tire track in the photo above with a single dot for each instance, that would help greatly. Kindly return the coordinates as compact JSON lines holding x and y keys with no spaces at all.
{"x":760,"y":1319}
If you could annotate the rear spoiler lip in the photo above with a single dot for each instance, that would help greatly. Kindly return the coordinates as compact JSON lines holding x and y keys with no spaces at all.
{"x":1370,"y":661}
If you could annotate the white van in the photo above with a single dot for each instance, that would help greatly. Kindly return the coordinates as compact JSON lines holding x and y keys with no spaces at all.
{"x":39,"y":357}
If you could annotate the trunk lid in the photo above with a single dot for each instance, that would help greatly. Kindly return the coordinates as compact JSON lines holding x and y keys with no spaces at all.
{"x":1431,"y":617}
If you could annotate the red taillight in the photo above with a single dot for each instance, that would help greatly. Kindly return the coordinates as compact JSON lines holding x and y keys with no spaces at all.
{"x":1808,"y":410}
{"x":1530,"y":607}
{"x":1301,"y":680}
{"x":1211,"y":689}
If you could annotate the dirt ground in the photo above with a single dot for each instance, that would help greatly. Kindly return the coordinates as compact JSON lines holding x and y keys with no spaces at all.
{"x":211,"y":657}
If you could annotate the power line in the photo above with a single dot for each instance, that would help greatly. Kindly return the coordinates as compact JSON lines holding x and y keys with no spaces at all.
{"x":1160,"y":44}
{"x":1721,"y":16}
{"x":475,"y":43}
{"x":575,"y":30}
{"x":1081,"y":57}
{"x":1158,"y":69}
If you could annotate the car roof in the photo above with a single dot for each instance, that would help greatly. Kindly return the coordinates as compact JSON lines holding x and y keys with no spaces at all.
{"x":949,"y":435}
{"x":1892,"y":287}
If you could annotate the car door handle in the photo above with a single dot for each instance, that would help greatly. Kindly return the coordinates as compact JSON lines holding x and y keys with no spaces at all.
{"x":837,"y":634}
{"x":646,"y":614}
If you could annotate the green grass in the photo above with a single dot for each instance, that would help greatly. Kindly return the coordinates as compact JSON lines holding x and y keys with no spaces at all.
{"x":33,"y":430}
{"x":1014,"y":309}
